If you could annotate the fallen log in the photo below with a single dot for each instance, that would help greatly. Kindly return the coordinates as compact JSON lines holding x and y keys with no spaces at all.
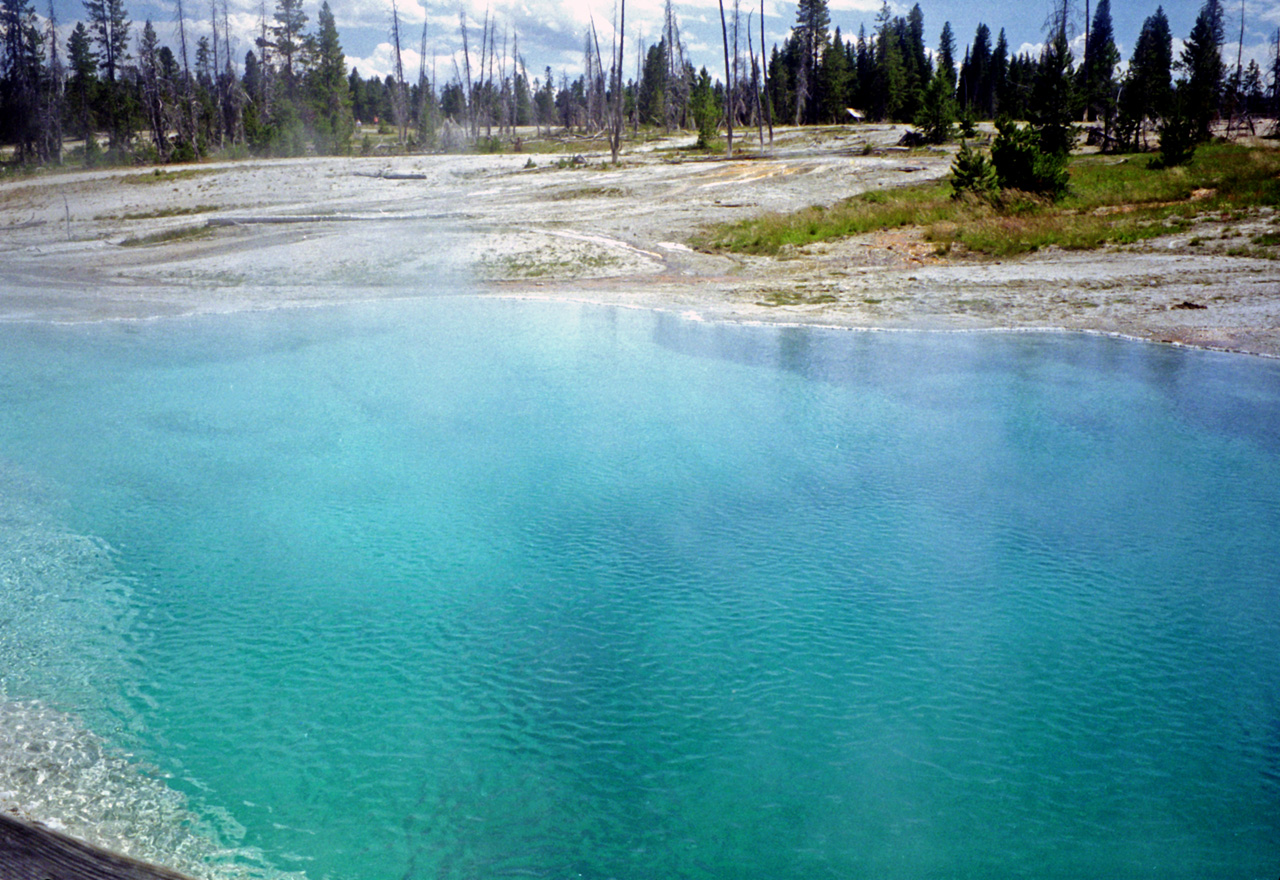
{"x":33,"y":852}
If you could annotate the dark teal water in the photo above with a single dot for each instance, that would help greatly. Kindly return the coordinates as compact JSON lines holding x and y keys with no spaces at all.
{"x":473,"y":589}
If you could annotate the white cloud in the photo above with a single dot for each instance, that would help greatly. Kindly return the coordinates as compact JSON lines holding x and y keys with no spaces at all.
{"x":860,"y":6}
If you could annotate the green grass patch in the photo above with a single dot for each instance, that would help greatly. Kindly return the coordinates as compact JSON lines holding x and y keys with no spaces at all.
{"x":1257,"y":253}
{"x":545,"y":262}
{"x":768,"y":234}
{"x":1112,"y":200}
{"x":160,"y":213}
{"x":168,"y":236}
{"x":157,"y":175}
{"x":797,"y":298}
{"x":590,"y":192}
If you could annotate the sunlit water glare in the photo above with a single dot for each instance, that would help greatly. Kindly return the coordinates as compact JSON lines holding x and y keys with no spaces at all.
{"x":470,"y":588}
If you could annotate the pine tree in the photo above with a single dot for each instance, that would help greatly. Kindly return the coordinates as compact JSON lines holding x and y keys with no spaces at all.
{"x":976,"y":86}
{"x":288,"y":38}
{"x":834,"y":77}
{"x":328,"y":89}
{"x":864,"y":64}
{"x":915,"y":42}
{"x":1148,"y":85}
{"x":1202,"y":59}
{"x":651,"y":97}
{"x":913,"y":81}
{"x":937,"y":114}
{"x":888,"y":76}
{"x":109,"y":24}
{"x":1098,"y":69}
{"x":810,"y":30}
{"x":1000,"y":74}
{"x":21,"y":56}
{"x":83,"y":82}
{"x":947,"y":54}
{"x":1053,"y":102}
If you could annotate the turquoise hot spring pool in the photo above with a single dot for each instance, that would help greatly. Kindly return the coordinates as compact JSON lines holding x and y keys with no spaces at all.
{"x":472,"y":588}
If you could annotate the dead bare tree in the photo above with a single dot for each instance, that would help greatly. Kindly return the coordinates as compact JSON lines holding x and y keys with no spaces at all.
{"x":1241,"y":117}
{"x":504,"y":121}
{"x":217,"y":76}
{"x":263,"y":98}
{"x":426,"y":95}
{"x":52,"y":97}
{"x":484,"y":77}
{"x":231,"y":92}
{"x":596,"y":110}
{"x":399,"y":100}
{"x":619,"y":99}
{"x":677,"y":80}
{"x":764,"y":76}
{"x":728,"y":85}
{"x":466,"y":60}
{"x":187,"y":131}
{"x":757,"y":109}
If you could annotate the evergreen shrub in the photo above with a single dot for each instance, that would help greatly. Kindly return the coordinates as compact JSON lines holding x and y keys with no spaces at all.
{"x":1022,"y":164}
{"x":972,"y":172}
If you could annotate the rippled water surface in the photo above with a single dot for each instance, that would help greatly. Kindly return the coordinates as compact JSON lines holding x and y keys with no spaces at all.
{"x":479,"y":589}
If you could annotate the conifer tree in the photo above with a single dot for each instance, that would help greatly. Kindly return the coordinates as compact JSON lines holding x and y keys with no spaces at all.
{"x":328,"y":88}
{"x":1202,"y":60}
{"x":82,"y":83}
{"x":864,"y":64}
{"x":888,"y":77}
{"x":288,"y":38}
{"x":976,"y":86}
{"x":21,"y":56}
{"x":1000,"y":74}
{"x":1098,"y":69}
{"x":947,"y":54}
{"x":834,"y":78}
{"x":109,"y":25}
{"x":651,"y":96}
{"x":1148,"y":85}
{"x":915,"y":43}
{"x":1053,"y":99}
{"x":812,"y":21}
{"x":937,"y":112}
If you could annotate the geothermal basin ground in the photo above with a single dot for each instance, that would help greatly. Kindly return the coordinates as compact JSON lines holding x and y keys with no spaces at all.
{"x":253,"y":234}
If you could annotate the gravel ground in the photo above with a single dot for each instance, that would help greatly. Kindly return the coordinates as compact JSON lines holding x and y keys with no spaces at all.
{"x":262,"y":234}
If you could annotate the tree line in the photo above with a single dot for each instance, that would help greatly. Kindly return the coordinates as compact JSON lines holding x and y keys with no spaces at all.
{"x":292,"y":93}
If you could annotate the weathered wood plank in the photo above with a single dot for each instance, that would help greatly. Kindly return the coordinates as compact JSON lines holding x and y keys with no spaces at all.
{"x":33,"y":852}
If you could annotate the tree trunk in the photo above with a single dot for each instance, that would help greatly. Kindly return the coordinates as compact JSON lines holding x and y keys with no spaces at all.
{"x":619,"y":99}
{"x":728,"y":85}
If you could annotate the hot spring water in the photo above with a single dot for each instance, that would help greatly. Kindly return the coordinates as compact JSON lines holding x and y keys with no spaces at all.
{"x":471,"y":588}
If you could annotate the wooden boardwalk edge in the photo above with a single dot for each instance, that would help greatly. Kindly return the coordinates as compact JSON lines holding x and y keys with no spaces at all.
{"x":29,"y":851}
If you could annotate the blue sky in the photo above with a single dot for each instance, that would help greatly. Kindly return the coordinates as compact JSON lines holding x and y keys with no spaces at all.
{"x":552,"y":33}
